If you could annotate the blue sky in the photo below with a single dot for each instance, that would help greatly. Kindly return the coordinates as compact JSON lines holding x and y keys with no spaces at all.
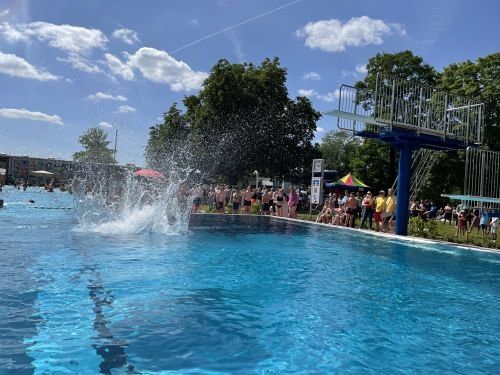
{"x":68,"y":65}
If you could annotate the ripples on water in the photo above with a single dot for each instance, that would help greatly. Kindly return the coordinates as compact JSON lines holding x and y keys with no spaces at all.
{"x":237,"y":296}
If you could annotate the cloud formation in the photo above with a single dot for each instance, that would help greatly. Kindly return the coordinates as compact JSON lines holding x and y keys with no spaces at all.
{"x":311,"y":75}
{"x":98,"y":96}
{"x":126,"y":109}
{"x":16,"y":66}
{"x":126,"y":35}
{"x":24,"y":114}
{"x":307,"y":92}
{"x":118,"y":68}
{"x":104,"y":124}
{"x":330,"y":96}
{"x":4,"y":12}
{"x":334,"y":36}
{"x":158,"y":66}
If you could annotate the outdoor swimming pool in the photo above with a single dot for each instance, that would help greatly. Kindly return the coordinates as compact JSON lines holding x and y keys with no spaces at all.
{"x":237,"y":295}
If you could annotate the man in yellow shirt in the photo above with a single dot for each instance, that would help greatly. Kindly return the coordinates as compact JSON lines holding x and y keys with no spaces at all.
{"x":390,"y":211}
{"x":379,"y":205}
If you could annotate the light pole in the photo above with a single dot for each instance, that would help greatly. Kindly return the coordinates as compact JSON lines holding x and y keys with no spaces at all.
{"x":256,"y":173}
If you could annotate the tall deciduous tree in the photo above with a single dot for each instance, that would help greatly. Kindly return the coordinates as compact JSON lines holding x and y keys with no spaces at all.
{"x":243,"y":120}
{"x":338,"y":148}
{"x":95,"y":144}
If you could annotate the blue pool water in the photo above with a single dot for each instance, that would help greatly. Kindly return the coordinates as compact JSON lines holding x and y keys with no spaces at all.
{"x":237,"y":295}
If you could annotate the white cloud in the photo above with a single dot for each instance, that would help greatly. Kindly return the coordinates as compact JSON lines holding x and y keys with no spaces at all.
{"x":158,"y":66}
{"x":18,"y":67}
{"x":67,"y":37}
{"x":81,"y":63}
{"x":312,"y":75}
{"x":330,"y":96}
{"x":361,"y":69}
{"x":119,"y":68}
{"x":98,"y":96}
{"x":11,"y":34}
{"x":319,"y":129}
{"x":24,"y":114}
{"x":126,"y":35}
{"x":104,"y":124}
{"x":126,"y":109}
{"x":307,"y":92}
{"x":334,"y":36}
{"x":4,"y":12}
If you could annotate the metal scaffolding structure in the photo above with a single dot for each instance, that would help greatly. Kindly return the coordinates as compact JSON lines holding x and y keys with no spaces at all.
{"x":482,"y":178}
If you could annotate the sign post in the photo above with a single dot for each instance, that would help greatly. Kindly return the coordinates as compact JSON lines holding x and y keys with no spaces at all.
{"x":317,"y":177}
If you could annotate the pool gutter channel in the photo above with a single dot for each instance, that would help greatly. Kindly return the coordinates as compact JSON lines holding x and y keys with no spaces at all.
{"x":390,"y":236}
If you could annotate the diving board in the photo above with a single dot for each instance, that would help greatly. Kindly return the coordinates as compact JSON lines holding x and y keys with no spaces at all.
{"x":409,"y":116}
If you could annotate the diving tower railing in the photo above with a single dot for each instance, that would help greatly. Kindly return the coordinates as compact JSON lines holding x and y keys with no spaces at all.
{"x":397,"y":104}
{"x":410,"y":116}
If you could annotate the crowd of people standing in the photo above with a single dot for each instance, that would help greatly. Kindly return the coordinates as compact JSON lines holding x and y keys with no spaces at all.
{"x":268,"y":201}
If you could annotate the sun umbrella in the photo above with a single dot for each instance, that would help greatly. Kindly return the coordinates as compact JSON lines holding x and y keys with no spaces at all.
{"x":148,"y":173}
{"x":349,"y":181}
{"x":42,"y":173}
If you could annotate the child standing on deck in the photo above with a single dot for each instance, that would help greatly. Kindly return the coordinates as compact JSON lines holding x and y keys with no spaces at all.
{"x":494,"y":226}
{"x":483,"y":223}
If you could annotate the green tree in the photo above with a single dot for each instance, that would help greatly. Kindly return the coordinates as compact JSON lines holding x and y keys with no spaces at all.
{"x":370,"y":164}
{"x":338,"y":148}
{"x":95,"y":144}
{"x":243,"y":120}
{"x":167,"y":138}
{"x":479,"y":80}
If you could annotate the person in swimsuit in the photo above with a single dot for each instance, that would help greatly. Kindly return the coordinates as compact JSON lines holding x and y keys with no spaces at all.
{"x":367,"y":206}
{"x":279,"y":203}
{"x":351,"y":206}
{"x":462,"y":223}
{"x":448,"y":213}
{"x":293,"y":200}
{"x":271,"y":201}
{"x":236,"y":200}
{"x":265,"y":206}
{"x":220,"y":199}
{"x":483,"y":223}
{"x":247,"y":200}
{"x":475,"y":220}
{"x":495,"y":223}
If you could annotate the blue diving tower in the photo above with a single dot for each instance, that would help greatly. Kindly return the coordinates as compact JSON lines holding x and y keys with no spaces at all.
{"x":409,"y":116}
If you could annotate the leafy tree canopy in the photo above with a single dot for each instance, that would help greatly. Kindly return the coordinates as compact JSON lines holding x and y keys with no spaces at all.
{"x":95,"y":144}
{"x":242,"y":120}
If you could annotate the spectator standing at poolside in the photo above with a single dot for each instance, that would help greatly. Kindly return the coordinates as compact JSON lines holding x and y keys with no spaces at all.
{"x":484,"y":223}
{"x":367,"y":206}
{"x":236,"y":200}
{"x":379,"y":209}
{"x":279,"y":202}
{"x":494,"y":227}
{"x":247,"y":200}
{"x":359,"y":198}
{"x":351,"y":207}
{"x":448,"y":215}
{"x":462,"y":223}
{"x":475,"y":220}
{"x":293,"y":201}
{"x":390,"y":211}
{"x":265,"y":207}
{"x":220,"y":199}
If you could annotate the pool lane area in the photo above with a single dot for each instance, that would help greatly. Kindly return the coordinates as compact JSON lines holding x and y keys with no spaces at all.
{"x":237,"y":295}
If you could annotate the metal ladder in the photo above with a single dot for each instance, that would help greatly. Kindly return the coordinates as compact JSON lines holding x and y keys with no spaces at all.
{"x":422,"y":162}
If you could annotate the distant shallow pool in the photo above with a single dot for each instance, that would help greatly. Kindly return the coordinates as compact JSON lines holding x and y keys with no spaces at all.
{"x":237,"y":295}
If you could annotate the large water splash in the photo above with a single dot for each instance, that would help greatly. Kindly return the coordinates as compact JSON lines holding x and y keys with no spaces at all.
{"x":112,"y":199}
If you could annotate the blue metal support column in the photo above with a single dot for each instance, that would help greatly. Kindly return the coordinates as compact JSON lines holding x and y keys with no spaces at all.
{"x":404,"y":176}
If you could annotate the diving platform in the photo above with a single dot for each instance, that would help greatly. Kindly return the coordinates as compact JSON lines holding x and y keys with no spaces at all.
{"x":409,"y":116}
